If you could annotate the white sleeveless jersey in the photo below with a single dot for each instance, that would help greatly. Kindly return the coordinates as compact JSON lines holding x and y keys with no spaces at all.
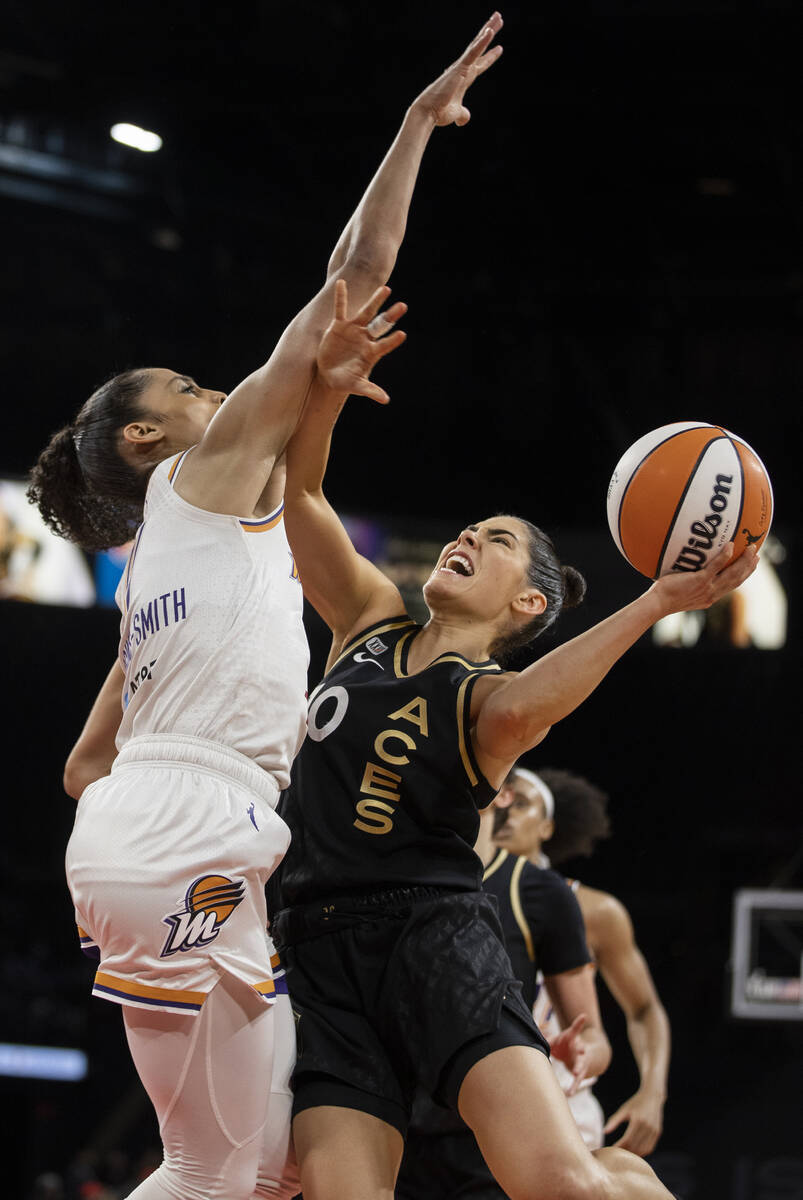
{"x":212,"y":642}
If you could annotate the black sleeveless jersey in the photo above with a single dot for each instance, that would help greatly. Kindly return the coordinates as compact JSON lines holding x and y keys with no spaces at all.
{"x":386,"y":789}
{"x":541,"y":918}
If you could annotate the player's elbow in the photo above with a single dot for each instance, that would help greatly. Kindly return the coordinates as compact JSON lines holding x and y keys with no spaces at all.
{"x":72,"y":779}
{"x":369,"y":259}
{"x":79,"y":772}
{"x":506,"y":730}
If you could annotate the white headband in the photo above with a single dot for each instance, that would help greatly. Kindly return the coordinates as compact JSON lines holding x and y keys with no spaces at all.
{"x":546,"y":794}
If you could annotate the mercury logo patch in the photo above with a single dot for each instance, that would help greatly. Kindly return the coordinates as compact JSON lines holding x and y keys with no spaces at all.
{"x":208,"y":904}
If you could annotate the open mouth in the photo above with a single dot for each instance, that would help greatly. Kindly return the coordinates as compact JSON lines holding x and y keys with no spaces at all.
{"x":458,"y":564}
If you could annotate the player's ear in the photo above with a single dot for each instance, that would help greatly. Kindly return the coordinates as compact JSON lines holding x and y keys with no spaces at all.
{"x":530,"y":603}
{"x":547,"y":829}
{"x":143,"y":431}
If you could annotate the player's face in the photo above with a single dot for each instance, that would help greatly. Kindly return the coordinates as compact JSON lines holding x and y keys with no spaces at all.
{"x":521,"y":826}
{"x":482,"y":570}
{"x":183,"y":409}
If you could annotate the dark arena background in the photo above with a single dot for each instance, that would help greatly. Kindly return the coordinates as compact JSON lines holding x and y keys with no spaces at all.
{"x":613,"y":243}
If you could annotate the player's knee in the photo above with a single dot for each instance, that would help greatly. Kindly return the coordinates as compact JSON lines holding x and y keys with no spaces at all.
{"x":570,"y":1182}
{"x":630,"y":1167}
{"x":235,"y":1180}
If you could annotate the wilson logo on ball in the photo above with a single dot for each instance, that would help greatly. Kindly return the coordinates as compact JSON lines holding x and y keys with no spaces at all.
{"x":682,"y":492}
{"x":699,"y":546}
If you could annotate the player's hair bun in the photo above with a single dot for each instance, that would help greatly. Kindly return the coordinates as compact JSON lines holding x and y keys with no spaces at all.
{"x":575,"y":587}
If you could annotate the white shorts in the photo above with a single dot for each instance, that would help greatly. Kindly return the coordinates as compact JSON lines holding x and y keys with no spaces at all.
{"x":589,"y":1117}
{"x":586,"y":1108}
{"x":167,"y":865}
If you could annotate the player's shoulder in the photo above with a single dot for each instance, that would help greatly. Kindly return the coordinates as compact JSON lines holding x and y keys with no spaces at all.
{"x":606,"y":917}
{"x":549,"y":885}
{"x":376,"y":634}
{"x":549,"y":879}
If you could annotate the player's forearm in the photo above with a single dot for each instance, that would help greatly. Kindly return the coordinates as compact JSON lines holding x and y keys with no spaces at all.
{"x":650,"y":1040}
{"x":516,"y":714}
{"x":599,"y":1050}
{"x":308,"y":449}
{"x":375,"y":231}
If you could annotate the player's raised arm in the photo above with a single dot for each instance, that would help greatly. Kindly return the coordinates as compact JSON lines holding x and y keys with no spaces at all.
{"x":344,"y":587}
{"x":253,"y":426}
{"x":516,"y":715}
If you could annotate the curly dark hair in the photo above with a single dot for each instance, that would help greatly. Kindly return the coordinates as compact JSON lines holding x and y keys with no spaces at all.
{"x":83,"y":487}
{"x":563,"y":586}
{"x":581,"y":815}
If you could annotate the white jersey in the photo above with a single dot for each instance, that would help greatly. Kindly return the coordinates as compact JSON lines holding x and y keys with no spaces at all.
{"x":211,"y":638}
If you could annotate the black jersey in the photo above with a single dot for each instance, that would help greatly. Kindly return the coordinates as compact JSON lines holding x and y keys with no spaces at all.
{"x":386,"y":789}
{"x":541,"y":919}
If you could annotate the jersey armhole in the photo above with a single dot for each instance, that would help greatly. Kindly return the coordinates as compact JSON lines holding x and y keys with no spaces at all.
{"x":473,"y":770}
{"x":518,"y":908}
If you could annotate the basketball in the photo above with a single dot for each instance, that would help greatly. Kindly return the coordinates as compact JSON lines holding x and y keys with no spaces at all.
{"x":682,"y":492}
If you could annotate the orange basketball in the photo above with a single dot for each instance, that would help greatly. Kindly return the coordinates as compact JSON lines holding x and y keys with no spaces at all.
{"x":682,"y":492}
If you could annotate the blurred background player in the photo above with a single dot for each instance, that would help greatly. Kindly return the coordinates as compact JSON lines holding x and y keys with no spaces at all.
{"x":550,"y":818}
{"x":545,"y":938}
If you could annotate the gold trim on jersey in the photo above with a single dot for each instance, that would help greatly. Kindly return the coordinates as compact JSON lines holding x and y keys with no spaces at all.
{"x":262,"y":524}
{"x":461,"y":740}
{"x":397,"y":667}
{"x":461,"y":703}
{"x":447,"y":656}
{"x":518,"y":911}
{"x":174,"y":466}
{"x":495,"y":865}
{"x":372,"y":631}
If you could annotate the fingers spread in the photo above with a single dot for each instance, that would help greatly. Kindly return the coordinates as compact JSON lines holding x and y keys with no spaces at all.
{"x":373,"y":305}
{"x":387,"y":344}
{"x":487,"y":60}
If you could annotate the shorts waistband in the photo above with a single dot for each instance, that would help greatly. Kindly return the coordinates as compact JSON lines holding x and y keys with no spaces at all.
{"x":181,"y":749}
{"x":298,"y":923}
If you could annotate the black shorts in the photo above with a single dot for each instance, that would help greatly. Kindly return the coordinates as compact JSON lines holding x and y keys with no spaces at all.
{"x":398,"y":990}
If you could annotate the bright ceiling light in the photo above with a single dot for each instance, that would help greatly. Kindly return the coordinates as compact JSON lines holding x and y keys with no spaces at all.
{"x":132,"y":135}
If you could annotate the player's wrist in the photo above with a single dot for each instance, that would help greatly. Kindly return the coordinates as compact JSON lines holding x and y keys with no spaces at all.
{"x":420,"y":117}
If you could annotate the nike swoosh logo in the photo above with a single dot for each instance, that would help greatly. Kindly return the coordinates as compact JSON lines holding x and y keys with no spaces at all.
{"x":361,"y":657}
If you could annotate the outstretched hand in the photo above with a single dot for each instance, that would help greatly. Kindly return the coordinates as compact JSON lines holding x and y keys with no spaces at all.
{"x":686,"y":591}
{"x":351,"y":347}
{"x":443,"y":99}
{"x":645,"y":1120}
{"x":570,"y":1049}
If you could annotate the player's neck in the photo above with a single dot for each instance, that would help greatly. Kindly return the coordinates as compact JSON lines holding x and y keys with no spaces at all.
{"x":440,"y":635}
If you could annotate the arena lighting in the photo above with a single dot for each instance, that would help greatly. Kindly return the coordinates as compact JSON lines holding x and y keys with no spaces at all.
{"x":132,"y":135}
{"x":42,"y":1062}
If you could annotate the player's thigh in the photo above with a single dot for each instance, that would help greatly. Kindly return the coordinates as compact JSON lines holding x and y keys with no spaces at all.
{"x":524,"y":1128}
{"x":207,"y":1075}
{"x":278,"y":1172}
{"x":346,"y":1154}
